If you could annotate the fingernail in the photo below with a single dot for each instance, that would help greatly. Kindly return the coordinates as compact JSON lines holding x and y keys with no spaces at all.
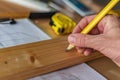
{"x":86,"y":53}
{"x":72,"y":39}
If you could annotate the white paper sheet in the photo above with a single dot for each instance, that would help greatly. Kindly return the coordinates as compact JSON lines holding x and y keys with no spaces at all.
{"x":21,"y":33}
{"x":78,"y":72}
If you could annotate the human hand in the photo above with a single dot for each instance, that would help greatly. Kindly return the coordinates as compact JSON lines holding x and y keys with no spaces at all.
{"x":105,"y":37}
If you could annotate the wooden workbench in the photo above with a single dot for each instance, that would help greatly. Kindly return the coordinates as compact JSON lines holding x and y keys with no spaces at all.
{"x":37,"y":65}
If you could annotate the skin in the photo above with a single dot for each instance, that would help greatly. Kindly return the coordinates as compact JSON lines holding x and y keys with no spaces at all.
{"x":105,"y":37}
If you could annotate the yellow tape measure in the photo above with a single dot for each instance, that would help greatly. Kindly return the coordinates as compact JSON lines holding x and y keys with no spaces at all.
{"x":62,"y":24}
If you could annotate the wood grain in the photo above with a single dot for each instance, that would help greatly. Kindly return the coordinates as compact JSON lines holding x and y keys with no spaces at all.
{"x":25,"y":61}
{"x":10,"y":10}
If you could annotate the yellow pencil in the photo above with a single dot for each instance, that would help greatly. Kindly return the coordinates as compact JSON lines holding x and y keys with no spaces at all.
{"x":92,"y":24}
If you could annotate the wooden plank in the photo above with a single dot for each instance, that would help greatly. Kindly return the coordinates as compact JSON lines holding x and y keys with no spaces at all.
{"x":10,"y":10}
{"x":25,"y":61}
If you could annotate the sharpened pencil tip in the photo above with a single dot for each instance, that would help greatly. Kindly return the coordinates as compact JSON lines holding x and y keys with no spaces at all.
{"x":69,"y":48}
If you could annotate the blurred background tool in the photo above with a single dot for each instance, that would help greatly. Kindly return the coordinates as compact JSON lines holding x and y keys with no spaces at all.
{"x":38,"y":15}
{"x":62,"y":24}
{"x":79,"y":7}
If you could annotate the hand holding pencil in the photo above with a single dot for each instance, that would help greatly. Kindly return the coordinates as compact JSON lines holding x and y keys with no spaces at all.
{"x":97,"y":19}
{"x":104,"y":37}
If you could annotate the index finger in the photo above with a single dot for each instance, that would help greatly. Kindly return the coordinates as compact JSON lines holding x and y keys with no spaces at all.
{"x":83,"y":23}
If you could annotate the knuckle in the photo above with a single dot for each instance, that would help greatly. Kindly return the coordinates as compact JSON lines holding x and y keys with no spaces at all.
{"x":81,"y":40}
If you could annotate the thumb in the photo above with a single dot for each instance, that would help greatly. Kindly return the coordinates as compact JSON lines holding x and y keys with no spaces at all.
{"x":84,"y":40}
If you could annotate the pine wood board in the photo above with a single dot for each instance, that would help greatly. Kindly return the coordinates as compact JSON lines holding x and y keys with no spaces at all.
{"x":29,"y":60}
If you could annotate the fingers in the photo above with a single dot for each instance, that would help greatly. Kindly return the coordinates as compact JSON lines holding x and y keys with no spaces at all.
{"x":80,"y":50}
{"x":83,"y":23}
{"x":95,"y":31}
{"x":80,"y":40}
{"x":77,"y":40}
{"x":102,"y":27}
{"x":85,"y":51}
{"x":108,"y":22}
{"x":86,"y":41}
